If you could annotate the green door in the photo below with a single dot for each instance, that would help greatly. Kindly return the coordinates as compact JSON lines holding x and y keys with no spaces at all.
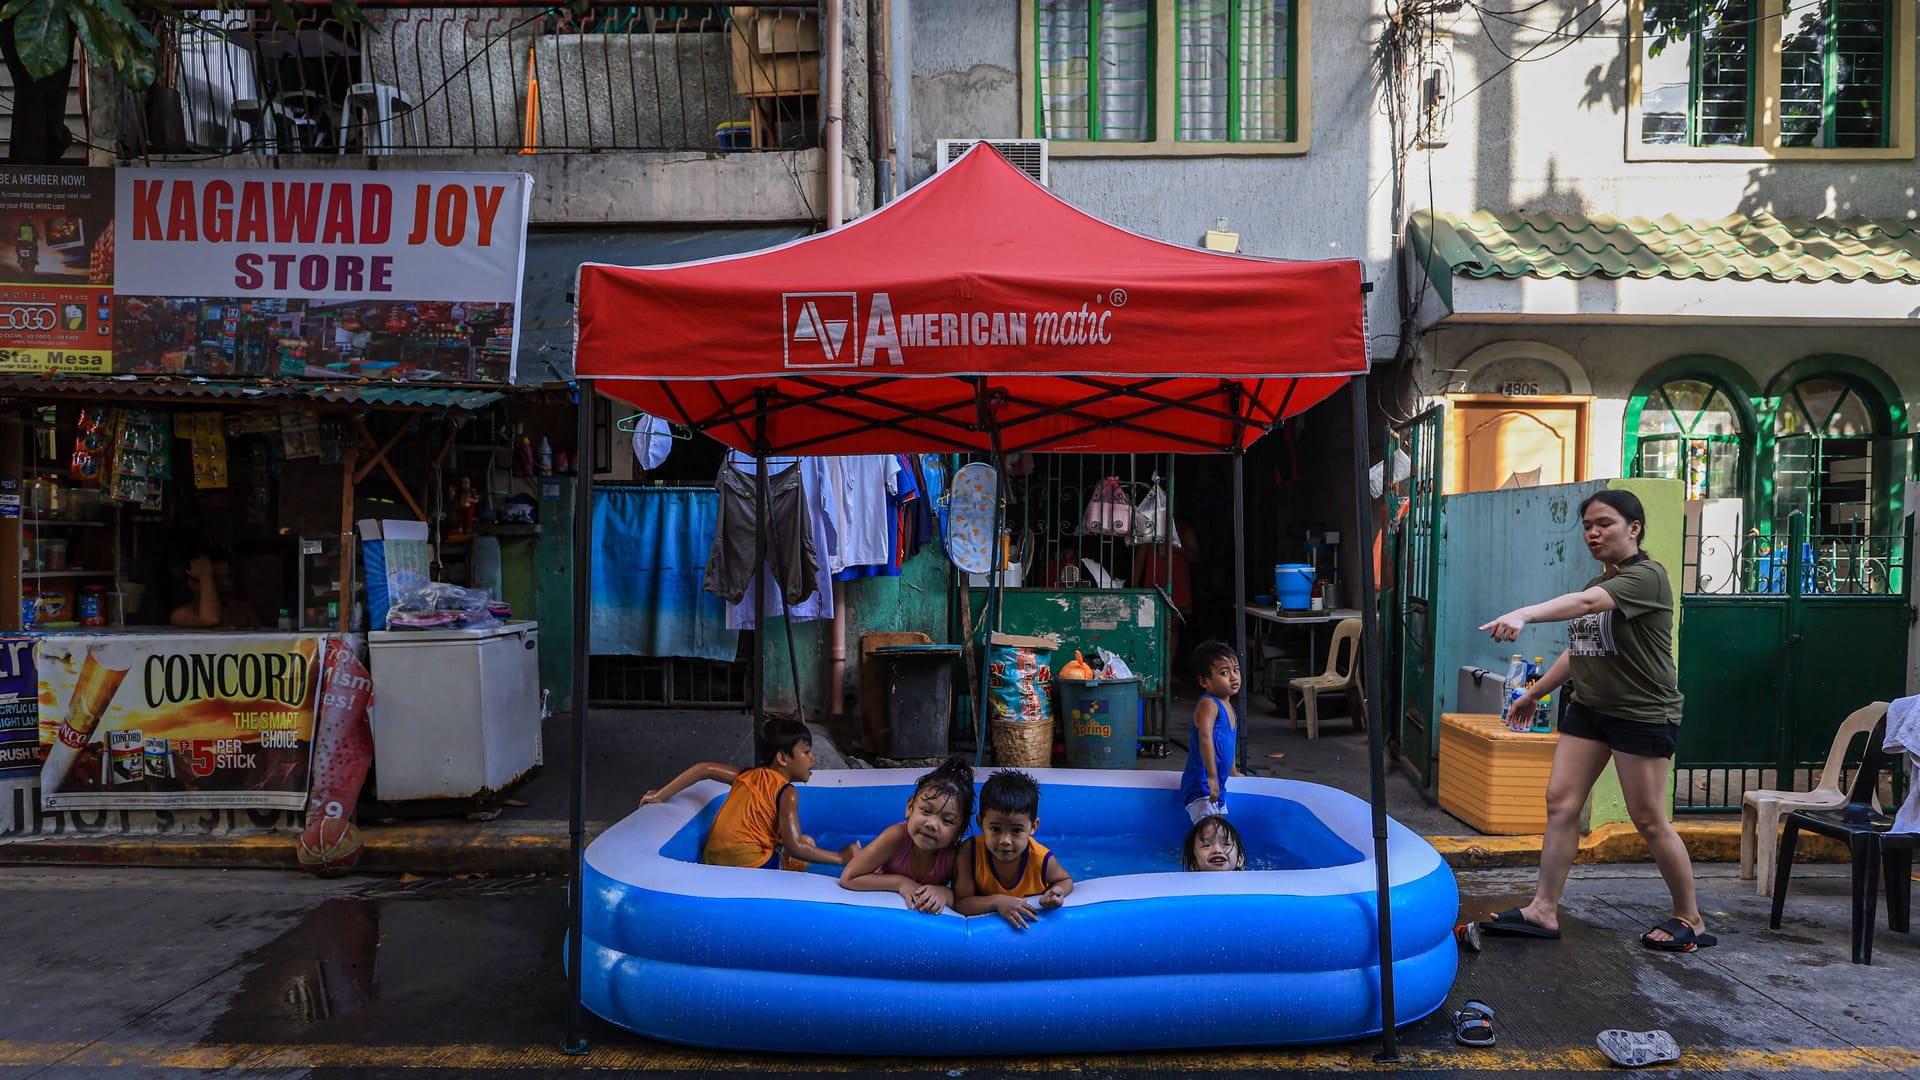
{"x":1413,"y":506}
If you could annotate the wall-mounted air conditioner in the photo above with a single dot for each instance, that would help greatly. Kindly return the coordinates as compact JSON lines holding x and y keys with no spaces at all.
{"x":1029,"y":155}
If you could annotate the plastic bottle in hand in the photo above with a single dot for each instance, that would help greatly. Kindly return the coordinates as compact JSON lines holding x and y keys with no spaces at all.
{"x":1516,"y":685}
{"x":1540,"y":725}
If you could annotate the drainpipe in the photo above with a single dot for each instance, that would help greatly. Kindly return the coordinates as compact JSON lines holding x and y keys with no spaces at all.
{"x":880,"y":101}
{"x":900,"y":78}
{"x":836,"y":172}
{"x":836,"y":63}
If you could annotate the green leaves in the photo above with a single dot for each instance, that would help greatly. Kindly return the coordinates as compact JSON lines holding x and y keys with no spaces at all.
{"x":44,"y":36}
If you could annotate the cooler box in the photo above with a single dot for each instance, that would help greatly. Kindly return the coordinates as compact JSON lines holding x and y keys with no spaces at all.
{"x":455,"y":712}
{"x":1495,"y":779}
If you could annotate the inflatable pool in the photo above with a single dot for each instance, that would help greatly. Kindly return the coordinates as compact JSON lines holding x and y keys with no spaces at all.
{"x":1142,"y":956}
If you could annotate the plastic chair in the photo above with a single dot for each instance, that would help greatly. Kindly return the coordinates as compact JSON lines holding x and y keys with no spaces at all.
{"x":1874,"y":849}
{"x":1761,"y":808}
{"x":1338,"y":678}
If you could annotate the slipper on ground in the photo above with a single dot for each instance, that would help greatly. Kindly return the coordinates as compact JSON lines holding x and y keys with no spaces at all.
{"x":1634,"y":1049}
{"x":1511,"y":921}
{"x":1682,"y":938}
{"x":1473,"y":1024}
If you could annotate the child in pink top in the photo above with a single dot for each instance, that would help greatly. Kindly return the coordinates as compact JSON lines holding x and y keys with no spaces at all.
{"x":916,"y":857}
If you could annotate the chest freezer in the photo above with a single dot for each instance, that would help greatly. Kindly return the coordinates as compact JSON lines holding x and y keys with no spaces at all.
{"x":455,"y":712}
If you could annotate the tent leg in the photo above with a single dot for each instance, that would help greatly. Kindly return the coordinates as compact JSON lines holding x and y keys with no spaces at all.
{"x":1239,"y":595}
{"x":990,"y":618}
{"x":575,"y":1041}
{"x":761,"y":525}
{"x":1376,"y":733}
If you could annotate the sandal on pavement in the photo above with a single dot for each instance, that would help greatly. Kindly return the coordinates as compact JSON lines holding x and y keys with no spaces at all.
{"x":1682,"y":939}
{"x":1633,"y":1049}
{"x":1473,"y":1024}
{"x":1511,"y":921}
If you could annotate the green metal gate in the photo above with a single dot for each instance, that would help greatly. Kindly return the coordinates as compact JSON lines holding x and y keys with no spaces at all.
{"x":1413,"y":515}
{"x":1769,"y":673}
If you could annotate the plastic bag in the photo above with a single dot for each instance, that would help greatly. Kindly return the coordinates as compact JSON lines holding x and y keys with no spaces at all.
{"x":1108,"y":511}
{"x":1019,"y":683}
{"x":1153,"y":519}
{"x":435,"y":605}
{"x":1113,"y":667}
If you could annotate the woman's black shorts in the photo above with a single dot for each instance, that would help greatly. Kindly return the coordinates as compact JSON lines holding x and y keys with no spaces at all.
{"x":1634,"y":737}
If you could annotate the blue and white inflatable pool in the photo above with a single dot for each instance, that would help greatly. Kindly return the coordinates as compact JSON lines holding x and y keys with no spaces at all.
{"x":1142,"y":956}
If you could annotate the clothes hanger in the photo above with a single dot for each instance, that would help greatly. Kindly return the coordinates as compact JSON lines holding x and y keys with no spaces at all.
{"x":631,"y":424}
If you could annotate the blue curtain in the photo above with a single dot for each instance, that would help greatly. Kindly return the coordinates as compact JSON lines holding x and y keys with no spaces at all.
{"x":650,"y":549}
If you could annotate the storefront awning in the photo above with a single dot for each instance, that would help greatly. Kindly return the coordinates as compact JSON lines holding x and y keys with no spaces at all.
{"x":424,"y":398}
{"x":1500,"y":267}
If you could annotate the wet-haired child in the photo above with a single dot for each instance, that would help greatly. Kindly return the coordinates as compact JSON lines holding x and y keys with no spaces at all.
{"x":1214,"y":738}
{"x":916,"y":857}
{"x":759,"y":824}
{"x":1004,"y":865}
{"x":1213,"y":844}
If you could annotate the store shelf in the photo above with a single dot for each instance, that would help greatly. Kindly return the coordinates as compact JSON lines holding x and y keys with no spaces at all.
{"x":35,"y":574}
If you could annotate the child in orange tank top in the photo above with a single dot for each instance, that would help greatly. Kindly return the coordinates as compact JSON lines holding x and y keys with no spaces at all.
{"x":1003,"y":865}
{"x":759,"y":823}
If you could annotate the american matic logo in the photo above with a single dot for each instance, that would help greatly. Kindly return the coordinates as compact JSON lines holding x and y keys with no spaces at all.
{"x":824,"y":329}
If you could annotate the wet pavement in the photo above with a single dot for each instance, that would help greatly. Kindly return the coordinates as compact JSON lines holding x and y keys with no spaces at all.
{"x":261,"y":974}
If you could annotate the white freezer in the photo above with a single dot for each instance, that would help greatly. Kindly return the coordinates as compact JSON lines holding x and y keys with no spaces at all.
{"x":455,"y":712}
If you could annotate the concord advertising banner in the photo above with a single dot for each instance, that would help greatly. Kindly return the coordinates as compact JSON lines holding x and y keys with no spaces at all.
{"x":177,"y":721}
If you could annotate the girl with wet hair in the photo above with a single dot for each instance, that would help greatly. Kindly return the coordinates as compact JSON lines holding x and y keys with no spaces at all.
{"x":915,"y":858}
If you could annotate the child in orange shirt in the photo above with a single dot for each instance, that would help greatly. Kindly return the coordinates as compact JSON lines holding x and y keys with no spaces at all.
{"x":759,"y":823}
{"x":1003,"y":865}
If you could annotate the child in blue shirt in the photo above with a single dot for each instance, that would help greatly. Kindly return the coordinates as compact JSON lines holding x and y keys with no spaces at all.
{"x":1213,"y":740}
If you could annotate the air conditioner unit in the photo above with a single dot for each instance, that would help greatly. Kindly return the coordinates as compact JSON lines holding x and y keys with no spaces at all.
{"x":1028,"y":155}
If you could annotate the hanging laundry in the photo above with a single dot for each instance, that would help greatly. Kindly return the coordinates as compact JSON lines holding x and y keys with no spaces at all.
{"x":819,"y":603}
{"x":790,"y":534}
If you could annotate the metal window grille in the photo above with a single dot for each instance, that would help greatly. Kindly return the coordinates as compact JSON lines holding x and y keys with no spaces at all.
{"x":1095,"y":69}
{"x":1704,"y":50}
{"x":1236,"y":70}
{"x":1834,"y":73}
{"x":656,"y":682}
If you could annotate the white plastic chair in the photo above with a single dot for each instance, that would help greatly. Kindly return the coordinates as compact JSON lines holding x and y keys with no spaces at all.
{"x":1762,"y":809}
{"x":1337,"y":679}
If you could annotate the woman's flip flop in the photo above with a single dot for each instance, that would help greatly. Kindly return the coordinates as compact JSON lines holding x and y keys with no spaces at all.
{"x":1633,"y":1049}
{"x":1511,"y":921}
{"x":1682,"y":938}
{"x":1473,"y":1024}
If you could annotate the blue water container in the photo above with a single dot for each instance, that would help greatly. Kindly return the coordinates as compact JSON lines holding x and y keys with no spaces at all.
{"x":1293,"y":584}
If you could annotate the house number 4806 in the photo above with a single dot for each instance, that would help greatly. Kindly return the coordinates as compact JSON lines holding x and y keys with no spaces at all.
{"x":1520,"y":389}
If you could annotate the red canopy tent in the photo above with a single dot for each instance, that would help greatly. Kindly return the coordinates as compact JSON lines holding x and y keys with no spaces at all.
{"x":977,"y":313}
{"x":978,"y":300}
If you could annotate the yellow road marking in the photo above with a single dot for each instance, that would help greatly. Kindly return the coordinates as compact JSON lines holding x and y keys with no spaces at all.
{"x":471,"y":1057}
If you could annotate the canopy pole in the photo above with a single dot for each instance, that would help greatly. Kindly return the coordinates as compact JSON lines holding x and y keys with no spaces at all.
{"x":1239,"y":598}
{"x":1370,"y":693}
{"x":575,"y":1041}
{"x":990,"y":615}
{"x":760,"y":526}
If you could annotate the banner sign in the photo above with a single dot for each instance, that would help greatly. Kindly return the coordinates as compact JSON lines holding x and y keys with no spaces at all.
{"x":19,"y":709}
{"x":318,"y":274}
{"x":56,"y":270}
{"x":177,"y":720}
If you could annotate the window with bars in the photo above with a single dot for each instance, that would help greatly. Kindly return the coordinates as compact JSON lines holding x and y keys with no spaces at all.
{"x":1707,"y":66}
{"x":1097,"y":67}
{"x":1689,"y":431}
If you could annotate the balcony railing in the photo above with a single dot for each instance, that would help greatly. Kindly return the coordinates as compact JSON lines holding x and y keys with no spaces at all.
{"x":485,"y":77}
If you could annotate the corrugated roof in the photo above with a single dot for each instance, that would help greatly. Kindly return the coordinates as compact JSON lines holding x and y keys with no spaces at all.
{"x":387,"y":396}
{"x":1485,"y":244}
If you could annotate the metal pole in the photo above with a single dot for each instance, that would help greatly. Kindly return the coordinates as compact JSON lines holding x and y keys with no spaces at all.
{"x":1239,"y":596}
{"x":990,"y":618}
{"x":576,"y":1040}
{"x":1370,"y":691}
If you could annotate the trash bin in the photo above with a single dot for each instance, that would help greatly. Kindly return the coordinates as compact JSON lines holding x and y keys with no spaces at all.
{"x":1102,"y":718}
{"x":919,"y":695}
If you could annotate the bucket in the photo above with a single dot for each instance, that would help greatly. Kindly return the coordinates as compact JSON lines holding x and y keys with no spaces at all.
{"x":1102,"y":721}
{"x":1293,"y":584}
{"x":919,"y":697}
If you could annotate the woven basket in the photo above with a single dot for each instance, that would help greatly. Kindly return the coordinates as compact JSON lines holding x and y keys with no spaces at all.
{"x":1023,"y":744}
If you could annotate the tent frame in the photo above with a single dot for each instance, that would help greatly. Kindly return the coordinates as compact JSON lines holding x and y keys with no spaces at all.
{"x":574,"y":1041}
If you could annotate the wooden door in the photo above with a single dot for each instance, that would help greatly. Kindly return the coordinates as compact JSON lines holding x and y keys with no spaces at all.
{"x":1495,"y":441}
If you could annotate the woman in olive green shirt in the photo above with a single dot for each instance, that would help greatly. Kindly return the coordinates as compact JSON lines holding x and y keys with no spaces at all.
{"x":1627,"y":709}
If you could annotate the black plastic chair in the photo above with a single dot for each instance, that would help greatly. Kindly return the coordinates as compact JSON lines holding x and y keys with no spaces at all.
{"x":1875,"y":851}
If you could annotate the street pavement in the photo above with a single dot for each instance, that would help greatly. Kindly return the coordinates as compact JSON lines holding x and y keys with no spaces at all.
{"x":169,"y":973}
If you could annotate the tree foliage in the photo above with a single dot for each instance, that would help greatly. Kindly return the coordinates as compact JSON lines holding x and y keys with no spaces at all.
{"x":117,"y":32}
